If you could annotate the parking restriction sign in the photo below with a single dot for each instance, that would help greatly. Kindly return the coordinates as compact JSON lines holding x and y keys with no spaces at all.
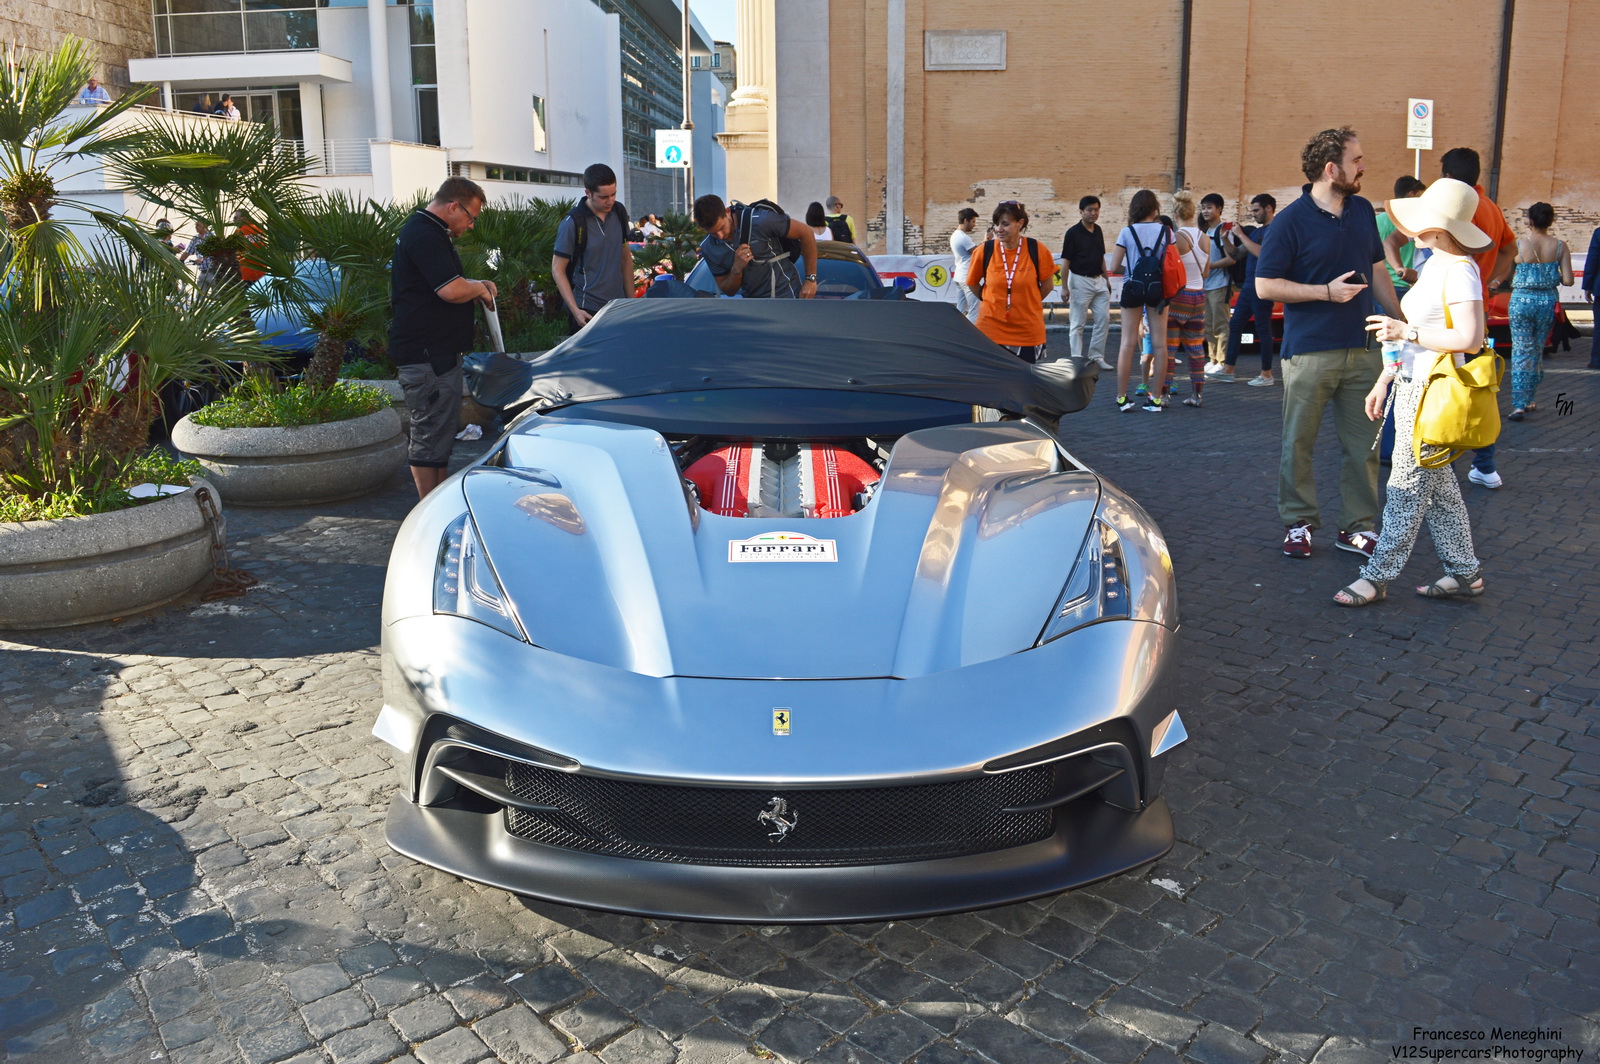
{"x":1419,"y":124}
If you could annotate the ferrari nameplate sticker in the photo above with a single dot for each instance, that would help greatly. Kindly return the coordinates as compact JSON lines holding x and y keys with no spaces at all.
{"x":780,"y":721}
{"x":781,"y":547}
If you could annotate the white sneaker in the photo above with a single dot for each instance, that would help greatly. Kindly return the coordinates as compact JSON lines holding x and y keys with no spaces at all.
{"x":1213,"y":368}
{"x":1259,"y":381}
{"x":1488,"y":480}
{"x":1103,"y":364}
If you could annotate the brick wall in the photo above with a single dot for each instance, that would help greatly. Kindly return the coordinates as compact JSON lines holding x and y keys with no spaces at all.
{"x":1089,"y":104}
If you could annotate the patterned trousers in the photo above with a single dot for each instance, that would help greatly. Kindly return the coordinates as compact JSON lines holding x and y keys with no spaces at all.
{"x":1418,"y":495}
{"x":1186,"y":317}
{"x":1533,"y":310}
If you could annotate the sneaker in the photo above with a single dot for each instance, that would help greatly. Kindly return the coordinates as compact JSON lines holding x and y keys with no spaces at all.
{"x":1297,"y":540}
{"x":1362,"y":543}
{"x":1213,"y":368}
{"x":1223,"y":376}
{"x":1193,"y":400}
{"x":1103,"y":364}
{"x":1125,"y":404}
{"x":1259,"y":381}
{"x":1488,"y":480}
{"x":1152,"y":405}
{"x":1141,"y":390}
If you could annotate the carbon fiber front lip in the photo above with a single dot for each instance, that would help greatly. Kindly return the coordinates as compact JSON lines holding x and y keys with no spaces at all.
{"x":1092,"y":843}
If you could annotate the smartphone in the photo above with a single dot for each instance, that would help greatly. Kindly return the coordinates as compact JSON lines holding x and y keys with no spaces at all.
{"x":1356,"y":278}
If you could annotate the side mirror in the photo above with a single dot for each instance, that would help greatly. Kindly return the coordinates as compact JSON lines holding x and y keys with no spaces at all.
{"x":906,"y":284}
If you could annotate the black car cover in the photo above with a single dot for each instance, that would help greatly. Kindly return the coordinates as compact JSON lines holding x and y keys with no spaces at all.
{"x":638,"y":347}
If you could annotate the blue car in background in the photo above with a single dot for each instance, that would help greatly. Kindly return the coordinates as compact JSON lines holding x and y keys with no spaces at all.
{"x":287,"y":333}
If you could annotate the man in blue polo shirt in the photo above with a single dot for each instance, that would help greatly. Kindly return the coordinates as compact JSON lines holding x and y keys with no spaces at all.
{"x":1316,"y":260}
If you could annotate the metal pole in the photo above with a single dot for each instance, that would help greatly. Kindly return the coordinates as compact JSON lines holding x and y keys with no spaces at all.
{"x":688,"y":116}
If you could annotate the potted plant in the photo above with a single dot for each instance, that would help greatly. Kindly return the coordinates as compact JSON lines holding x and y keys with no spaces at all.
{"x":315,"y":440}
{"x":89,"y":336}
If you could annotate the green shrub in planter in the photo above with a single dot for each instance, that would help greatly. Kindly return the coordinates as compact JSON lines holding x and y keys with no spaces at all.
{"x":258,"y":404}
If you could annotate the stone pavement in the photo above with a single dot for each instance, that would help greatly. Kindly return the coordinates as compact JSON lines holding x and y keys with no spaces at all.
{"x":1388,"y":819}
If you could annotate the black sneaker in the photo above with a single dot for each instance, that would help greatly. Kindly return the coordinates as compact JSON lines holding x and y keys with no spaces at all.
{"x":1153,"y":405}
{"x":1125,"y":404}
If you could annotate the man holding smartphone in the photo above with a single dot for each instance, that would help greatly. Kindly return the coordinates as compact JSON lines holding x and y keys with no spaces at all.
{"x":1244,"y":242}
{"x":1316,"y":259}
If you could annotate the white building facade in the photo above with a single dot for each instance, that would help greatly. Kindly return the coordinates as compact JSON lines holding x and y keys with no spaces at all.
{"x":390,"y":98}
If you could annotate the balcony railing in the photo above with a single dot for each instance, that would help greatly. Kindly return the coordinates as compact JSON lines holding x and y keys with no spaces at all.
{"x":334,"y":156}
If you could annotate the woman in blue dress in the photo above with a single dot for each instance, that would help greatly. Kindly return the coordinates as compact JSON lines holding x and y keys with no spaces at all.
{"x":1542,"y":263}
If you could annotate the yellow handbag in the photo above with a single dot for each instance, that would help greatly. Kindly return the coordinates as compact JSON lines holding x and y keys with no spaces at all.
{"x":1457,"y":411}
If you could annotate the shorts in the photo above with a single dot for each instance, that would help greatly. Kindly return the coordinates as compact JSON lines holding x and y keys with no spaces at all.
{"x":434,"y":401}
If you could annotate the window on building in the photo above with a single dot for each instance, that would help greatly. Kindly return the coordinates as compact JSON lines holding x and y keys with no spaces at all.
{"x":210,"y":27}
{"x":424,"y":71}
{"x":716,"y":59}
{"x":540,"y":142}
{"x":427,"y":114}
{"x":694,"y":62}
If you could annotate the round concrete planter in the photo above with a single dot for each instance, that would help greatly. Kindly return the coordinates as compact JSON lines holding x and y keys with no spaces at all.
{"x":304,"y":464}
{"x":82,"y":569}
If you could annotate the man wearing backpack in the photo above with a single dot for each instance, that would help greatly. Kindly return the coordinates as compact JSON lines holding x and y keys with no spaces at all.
{"x":843,"y":226}
{"x":593,"y":264}
{"x":751,"y":249}
{"x":1218,"y":282}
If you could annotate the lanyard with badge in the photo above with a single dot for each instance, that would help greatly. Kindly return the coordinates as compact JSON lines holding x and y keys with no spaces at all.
{"x":1009,"y":268}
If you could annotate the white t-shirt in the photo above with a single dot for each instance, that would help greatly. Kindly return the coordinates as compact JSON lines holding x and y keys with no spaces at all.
{"x":961,"y":245}
{"x":1149,"y":233}
{"x":1193,"y":261}
{"x":822,"y":232}
{"x":1443,"y":279}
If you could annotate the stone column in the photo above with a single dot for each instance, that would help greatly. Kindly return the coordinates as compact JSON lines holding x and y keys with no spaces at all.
{"x":378,"y":41}
{"x":747,"y":135}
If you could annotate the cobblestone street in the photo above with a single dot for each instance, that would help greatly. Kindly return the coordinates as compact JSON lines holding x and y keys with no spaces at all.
{"x":1387,"y":818}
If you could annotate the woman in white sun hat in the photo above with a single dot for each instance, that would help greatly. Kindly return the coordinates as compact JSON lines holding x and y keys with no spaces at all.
{"x":1441,"y":220}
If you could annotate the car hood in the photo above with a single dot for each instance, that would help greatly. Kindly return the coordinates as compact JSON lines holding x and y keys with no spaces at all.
{"x":959,"y":557}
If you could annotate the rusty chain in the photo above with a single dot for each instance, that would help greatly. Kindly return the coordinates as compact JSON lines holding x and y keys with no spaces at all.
{"x":229,"y":583}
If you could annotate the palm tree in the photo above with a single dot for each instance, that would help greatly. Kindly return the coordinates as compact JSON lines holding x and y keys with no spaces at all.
{"x":335,"y":274}
{"x":677,"y":246}
{"x":81,"y":383}
{"x":89,"y":335}
{"x":211,"y":171}
{"x":37,"y":143}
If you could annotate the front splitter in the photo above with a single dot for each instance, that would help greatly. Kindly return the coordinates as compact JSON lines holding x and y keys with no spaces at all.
{"x":1092,"y":842}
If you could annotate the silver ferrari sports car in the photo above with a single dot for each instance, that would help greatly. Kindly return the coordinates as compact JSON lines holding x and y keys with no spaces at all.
{"x":746,"y":618}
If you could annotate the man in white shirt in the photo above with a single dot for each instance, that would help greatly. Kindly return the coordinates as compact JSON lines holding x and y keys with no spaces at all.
{"x":961,"y":245}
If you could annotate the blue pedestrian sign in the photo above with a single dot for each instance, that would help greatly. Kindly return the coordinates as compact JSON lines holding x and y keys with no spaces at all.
{"x":674,"y":148}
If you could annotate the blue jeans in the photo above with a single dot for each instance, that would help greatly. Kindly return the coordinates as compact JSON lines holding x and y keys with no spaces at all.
{"x":1259,"y":313}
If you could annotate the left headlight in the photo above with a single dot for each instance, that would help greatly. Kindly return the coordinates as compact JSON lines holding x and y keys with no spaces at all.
{"x":1097,"y":590}
{"x":464,"y":581}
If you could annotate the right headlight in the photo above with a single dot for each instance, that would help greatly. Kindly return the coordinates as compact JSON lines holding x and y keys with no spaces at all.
{"x":464,"y":582}
{"x":1097,"y":590}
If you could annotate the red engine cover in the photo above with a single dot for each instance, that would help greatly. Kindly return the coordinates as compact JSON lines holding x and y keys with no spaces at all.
{"x":836,"y":475}
{"x":723,"y":479}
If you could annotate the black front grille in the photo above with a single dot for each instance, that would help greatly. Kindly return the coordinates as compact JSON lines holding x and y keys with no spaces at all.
{"x":723,"y":825}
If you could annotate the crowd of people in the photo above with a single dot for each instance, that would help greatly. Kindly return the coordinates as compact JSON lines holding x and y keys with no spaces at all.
{"x":1412,"y":279}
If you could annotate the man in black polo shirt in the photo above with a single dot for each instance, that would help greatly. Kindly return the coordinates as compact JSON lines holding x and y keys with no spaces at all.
{"x":431,"y":327}
{"x":1083,"y":251}
{"x":1318,"y":257}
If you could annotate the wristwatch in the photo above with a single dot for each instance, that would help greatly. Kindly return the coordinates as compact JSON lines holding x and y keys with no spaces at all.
{"x":811,"y":277}
{"x":1411,"y":333}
